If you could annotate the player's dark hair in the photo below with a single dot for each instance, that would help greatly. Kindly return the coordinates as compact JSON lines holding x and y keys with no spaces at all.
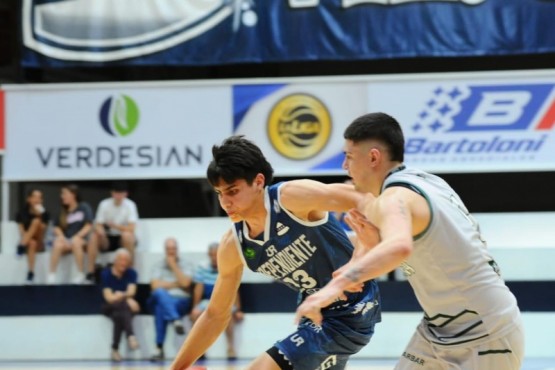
{"x":381,"y":127}
{"x":238,"y":158}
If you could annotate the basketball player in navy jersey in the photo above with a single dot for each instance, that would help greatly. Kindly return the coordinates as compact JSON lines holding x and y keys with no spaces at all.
{"x":283,"y":231}
{"x":471,"y":319}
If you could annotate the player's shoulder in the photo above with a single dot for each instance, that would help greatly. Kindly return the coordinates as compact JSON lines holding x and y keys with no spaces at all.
{"x":229,"y":248}
{"x":227,"y":238}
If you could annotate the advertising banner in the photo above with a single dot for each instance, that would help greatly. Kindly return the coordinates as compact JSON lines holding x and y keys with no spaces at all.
{"x":2,"y":121}
{"x":299,"y":126}
{"x":452,"y":122}
{"x":473,"y":124}
{"x":111,"y":132}
{"x":212,"y":32}
{"x":464,"y":122}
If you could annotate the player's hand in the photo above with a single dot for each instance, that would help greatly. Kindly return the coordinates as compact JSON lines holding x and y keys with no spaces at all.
{"x":311,"y":310}
{"x":312,"y":305}
{"x":368,"y":235}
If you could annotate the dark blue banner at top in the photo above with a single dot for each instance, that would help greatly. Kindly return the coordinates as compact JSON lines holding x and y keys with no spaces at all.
{"x":210,"y":32}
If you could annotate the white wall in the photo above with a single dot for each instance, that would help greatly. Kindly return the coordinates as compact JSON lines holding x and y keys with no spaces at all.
{"x":89,"y":337}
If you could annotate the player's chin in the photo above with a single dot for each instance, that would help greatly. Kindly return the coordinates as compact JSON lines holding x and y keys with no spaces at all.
{"x":234,"y":217}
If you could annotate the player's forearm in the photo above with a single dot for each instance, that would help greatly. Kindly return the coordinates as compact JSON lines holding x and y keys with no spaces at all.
{"x":204,"y":333}
{"x":377,"y":261}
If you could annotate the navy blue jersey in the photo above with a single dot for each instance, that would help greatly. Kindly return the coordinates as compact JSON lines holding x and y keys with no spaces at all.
{"x":301,"y":254}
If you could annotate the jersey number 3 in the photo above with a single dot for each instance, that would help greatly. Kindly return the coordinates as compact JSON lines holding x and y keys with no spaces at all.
{"x":300,"y":280}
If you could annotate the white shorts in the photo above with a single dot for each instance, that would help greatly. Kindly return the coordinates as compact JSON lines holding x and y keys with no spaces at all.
{"x":505,"y":353}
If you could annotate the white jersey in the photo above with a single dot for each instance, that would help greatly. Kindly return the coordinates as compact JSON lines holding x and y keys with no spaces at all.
{"x":455,"y":279}
{"x":124,"y":214}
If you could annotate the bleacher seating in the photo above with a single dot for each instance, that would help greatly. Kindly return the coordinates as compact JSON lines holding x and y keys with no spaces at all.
{"x":522,"y":243}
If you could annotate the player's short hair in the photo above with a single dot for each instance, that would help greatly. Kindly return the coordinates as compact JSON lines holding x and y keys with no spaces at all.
{"x":381,"y":127}
{"x":238,"y":158}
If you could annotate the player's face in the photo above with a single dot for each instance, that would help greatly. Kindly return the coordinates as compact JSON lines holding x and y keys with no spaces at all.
{"x":237,"y":198}
{"x":357,"y":162}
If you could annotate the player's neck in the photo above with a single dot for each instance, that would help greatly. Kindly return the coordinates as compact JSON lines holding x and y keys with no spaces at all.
{"x":256,"y":218}
{"x":388,"y":170}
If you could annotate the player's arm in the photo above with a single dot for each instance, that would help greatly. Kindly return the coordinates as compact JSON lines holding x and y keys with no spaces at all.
{"x":305,"y":196}
{"x":392,"y":214}
{"x":213,"y":321}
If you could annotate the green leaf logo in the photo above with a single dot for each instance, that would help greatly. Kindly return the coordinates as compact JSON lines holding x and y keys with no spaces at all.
{"x":119,"y":116}
{"x":250,"y":253}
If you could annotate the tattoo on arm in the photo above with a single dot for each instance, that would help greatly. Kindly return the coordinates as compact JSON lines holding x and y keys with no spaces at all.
{"x":402,"y":208}
{"x":353,"y":275}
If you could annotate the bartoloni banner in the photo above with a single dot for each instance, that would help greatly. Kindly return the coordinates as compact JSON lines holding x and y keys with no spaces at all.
{"x":210,"y":32}
{"x":473,"y":122}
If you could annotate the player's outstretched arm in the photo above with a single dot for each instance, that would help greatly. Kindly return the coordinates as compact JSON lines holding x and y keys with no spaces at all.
{"x":213,"y":321}
{"x":392,"y":214}
{"x":305,"y":196}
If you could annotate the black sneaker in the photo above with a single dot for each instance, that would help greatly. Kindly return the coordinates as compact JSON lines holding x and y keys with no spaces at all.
{"x":30,"y":278}
{"x":158,"y":356}
{"x":179,"y":329}
{"x":21,"y":250}
{"x":90,"y":278}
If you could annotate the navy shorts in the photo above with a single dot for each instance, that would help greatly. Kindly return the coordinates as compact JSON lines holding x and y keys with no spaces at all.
{"x":344,"y":332}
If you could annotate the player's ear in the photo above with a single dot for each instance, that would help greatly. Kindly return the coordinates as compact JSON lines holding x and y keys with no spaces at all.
{"x":374,"y":156}
{"x":259,"y":181}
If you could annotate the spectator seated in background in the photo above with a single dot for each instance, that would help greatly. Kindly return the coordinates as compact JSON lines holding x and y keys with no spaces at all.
{"x":72,"y":228}
{"x":119,"y":286}
{"x":116,"y":218}
{"x":170,"y":299}
{"x":32,"y":221}
{"x":204,"y":280}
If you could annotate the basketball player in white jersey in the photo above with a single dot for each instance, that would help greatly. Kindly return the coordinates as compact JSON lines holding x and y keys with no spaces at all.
{"x":471,"y":319}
